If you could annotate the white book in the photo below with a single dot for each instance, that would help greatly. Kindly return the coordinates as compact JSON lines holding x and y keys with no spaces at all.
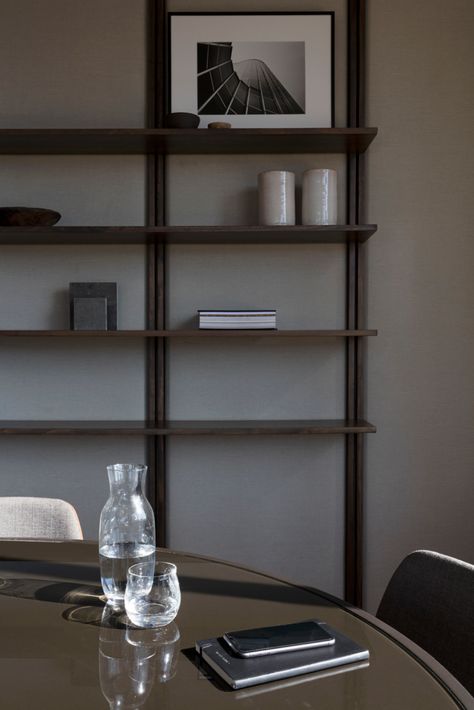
{"x":250,"y":314}
{"x":234,"y":326}
{"x":234,"y":320}
{"x":237,"y":319}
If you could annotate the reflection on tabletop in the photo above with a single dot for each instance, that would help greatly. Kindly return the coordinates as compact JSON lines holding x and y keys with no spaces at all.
{"x":132,"y":659}
{"x":50,"y":590}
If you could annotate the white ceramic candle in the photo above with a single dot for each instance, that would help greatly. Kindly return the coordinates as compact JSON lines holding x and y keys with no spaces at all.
{"x":320,"y":196}
{"x":276,"y":197}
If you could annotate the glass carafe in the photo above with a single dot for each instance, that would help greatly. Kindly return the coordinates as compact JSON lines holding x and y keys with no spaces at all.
{"x":127,"y":529}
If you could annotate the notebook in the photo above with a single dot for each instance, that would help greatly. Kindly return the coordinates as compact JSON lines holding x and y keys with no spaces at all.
{"x":244,"y":672}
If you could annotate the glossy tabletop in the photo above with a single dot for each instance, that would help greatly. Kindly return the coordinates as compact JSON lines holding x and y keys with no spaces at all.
{"x":58,"y":649}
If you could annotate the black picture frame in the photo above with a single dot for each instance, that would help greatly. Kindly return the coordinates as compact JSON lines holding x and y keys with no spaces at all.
{"x":233,"y":20}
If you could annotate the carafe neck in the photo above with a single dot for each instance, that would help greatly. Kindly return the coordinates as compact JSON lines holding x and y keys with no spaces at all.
{"x":126,"y":479}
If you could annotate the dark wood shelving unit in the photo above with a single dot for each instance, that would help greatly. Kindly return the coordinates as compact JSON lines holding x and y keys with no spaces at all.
{"x":189,"y":333}
{"x":298,"y":234}
{"x":165,"y":141}
{"x":303,"y":427}
{"x":156,"y":143}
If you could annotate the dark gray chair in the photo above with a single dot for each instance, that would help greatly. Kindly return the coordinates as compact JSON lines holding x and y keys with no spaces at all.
{"x":430,"y":599}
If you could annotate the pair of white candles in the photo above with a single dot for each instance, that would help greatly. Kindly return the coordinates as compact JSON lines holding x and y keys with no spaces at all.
{"x":276,"y":197}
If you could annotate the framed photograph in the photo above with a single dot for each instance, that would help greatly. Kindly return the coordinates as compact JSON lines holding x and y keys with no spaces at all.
{"x":254,"y":70}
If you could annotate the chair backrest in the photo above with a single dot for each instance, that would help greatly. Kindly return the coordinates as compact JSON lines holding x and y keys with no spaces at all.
{"x":430,"y":599}
{"x":47,"y":518}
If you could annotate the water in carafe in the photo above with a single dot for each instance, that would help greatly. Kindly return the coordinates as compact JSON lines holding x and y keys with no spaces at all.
{"x":127,"y":529}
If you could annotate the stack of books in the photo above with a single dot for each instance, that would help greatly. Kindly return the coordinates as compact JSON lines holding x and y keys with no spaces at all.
{"x":237,"y":320}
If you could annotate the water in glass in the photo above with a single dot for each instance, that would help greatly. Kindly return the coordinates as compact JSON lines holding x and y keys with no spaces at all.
{"x":156,"y":604}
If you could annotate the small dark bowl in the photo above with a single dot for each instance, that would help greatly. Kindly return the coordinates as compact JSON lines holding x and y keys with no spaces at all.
{"x":182,"y":120}
{"x":28,"y":217}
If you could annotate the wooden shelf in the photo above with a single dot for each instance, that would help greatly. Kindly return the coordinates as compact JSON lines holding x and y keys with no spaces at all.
{"x":190,"y":333}
{"x":106,"y":141}
{"x":298,"y":234}
{"x":188,"y":428}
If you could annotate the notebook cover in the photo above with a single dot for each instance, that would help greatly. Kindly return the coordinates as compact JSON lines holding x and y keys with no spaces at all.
{"x":243,"y":672}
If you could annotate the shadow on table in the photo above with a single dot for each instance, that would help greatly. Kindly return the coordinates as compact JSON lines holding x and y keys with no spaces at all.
{"x":76,"y":572}
{"x":205,"y":672}
{"x":285,"y":594}
{"x":47,"y":587}
{"x":48,"y":590}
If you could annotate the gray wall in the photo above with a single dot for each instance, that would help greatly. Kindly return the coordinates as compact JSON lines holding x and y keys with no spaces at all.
{"x":419,"y":490}
{"x":272,"y":503}
{"x":74,"y":65}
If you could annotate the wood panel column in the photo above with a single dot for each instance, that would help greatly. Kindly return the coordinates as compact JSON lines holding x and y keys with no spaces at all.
{"x":356,"y":14}
{"x":156,"y":292}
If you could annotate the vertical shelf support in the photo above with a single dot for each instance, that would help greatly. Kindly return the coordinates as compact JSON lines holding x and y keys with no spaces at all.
{"x":356,"y":14}
{"x":156,"y":292}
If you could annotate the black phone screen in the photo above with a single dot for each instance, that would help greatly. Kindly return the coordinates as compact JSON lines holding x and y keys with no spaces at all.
{"x":274,"y":639}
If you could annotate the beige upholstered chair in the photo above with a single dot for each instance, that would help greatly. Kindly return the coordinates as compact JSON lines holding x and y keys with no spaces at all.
{"x":47,"y":518}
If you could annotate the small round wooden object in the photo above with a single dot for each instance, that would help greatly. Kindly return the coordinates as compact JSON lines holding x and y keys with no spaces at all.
{"x":219,"y":124}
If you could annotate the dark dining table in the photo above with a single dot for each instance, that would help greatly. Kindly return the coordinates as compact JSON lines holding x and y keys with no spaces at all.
{"x":61,"y":647}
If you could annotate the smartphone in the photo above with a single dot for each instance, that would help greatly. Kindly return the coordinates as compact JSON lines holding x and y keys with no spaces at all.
{"x":278,"y":639}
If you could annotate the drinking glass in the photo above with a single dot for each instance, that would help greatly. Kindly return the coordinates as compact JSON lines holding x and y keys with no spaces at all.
{"x":152,"y":602}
